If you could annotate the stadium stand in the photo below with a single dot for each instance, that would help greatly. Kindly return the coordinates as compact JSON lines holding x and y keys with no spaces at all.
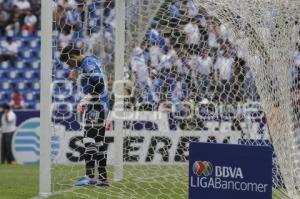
{"x":171,"y":69}
{"x":20,"y":60}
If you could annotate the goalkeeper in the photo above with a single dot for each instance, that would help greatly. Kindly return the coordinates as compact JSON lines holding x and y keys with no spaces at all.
{"x":94,"y":107}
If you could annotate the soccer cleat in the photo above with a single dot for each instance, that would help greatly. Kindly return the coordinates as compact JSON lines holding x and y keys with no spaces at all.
{"x":103,"y":183}
{"x":85,"y":181}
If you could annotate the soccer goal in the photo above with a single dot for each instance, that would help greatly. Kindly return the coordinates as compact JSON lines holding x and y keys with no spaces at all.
{"x":217,"y":71}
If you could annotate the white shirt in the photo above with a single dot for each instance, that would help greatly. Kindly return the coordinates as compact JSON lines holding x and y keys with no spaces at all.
{"x":178,"y":92}
{"x":22,"y":5}
{"x":139,"y":66}
{"x":192,"y":8}
{"x":9,"y":122}
{"x":69,"y":3}
{"x":225,"y":67}
{"x":180,"y":67}
{"x":192,"y":33}
{"x":212,"y":39}
{"x":166,"y":60}
{"x":155,"y":53}
{"x":64,"y":39}
{"x":203,"y":65}
{"x":10,"y":48}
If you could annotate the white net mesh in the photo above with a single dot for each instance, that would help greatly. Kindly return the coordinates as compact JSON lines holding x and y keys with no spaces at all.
{"x":219,"y":71}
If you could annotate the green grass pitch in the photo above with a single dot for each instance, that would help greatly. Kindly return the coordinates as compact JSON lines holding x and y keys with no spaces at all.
{"x":148,"y":182}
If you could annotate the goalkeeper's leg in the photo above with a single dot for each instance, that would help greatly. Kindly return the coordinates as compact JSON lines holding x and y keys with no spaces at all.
{"x":94,"y":132}
{"x":97,"y":131}
{"x":102,"y":158}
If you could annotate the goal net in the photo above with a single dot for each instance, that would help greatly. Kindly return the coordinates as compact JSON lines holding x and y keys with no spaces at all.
{"x":218,"y":71}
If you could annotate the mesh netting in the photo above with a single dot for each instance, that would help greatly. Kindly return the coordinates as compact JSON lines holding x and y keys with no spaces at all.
{"x":219,"y":71}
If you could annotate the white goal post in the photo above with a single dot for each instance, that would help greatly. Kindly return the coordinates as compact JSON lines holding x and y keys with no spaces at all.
{"x":146,"y":52}
{"x":46,"y":99}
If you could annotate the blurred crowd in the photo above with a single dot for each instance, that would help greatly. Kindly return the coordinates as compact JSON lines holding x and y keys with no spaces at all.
{"x":205,"y":66}
{"x":19,"y":17}
{"x":198,"y":61}
{"x":90,"y":27}
{"x":19,"y":52}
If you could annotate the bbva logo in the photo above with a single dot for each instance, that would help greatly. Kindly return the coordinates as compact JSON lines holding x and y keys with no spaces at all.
{"x":26,"y":142}
{"x":202,"y":167}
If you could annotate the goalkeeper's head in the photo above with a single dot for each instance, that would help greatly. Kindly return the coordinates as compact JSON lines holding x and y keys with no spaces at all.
{"x":71,"y":55}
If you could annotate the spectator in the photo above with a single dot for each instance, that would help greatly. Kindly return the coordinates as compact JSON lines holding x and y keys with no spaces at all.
{"x":174,"y":12}
{"x":4,"y":18}
{"x":156,"y":86}
{"x":22,"y":5}
{"x":65,"y":37}
{"x":67,"y":3}
{"x":174,"y":9}
{"x":17,"y":100}
{"x":250,"y":87}
{"x":13,"y":28}
{"x":140,"y":68}
{"x":192,"y":35}
{"x":166,"y":60}
{"x":213,"y":37}
{"x":155,"y":53}
{"x":109,"y":16}
{"x":239,"y":70}
{"x":9,"y":51}
{"x":8,"y":122}
{"x":223,"y":74}
{"x":179,"y":91}
{"x":223,"y":67}
{"x":154,"y":37}
{"x":73,"y":18}
{"x":192,"y":8}
{"x":29,"y":22}
{"x":58,"y":17}
{"x":203,"y":72}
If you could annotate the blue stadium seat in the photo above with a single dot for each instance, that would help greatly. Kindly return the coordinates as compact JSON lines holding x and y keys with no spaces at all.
{"x":35,"y":64}
{"x":4,"y":64}
{"x":35,"y":44}
{"x":21,"y":85}
{"x":30,"y":105}
{"x":37,"y":96}
{"x":36,"y":75}
{"x":3,"y":74}
{"x":60,"y":74}
{"x":6,"y":86}
{"x":25,"y":33}
{"x":36,"y":86}
{"x":29,"y":85}
{"x":29,"y":96}
{"x":20,"y":64}
{"x":25,"y":53}
{"x":13,"y":74}
{"x":25,"y":43}
{"x":35,"y":53}
{"x":28,"y":74}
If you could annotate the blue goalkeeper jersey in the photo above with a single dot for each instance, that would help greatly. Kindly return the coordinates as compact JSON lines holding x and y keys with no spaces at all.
{"x":92,"y":80}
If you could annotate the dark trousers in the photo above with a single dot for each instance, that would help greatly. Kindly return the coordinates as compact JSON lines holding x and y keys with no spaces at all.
{"x":6,"y":153}
{"x":95,"y":147}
